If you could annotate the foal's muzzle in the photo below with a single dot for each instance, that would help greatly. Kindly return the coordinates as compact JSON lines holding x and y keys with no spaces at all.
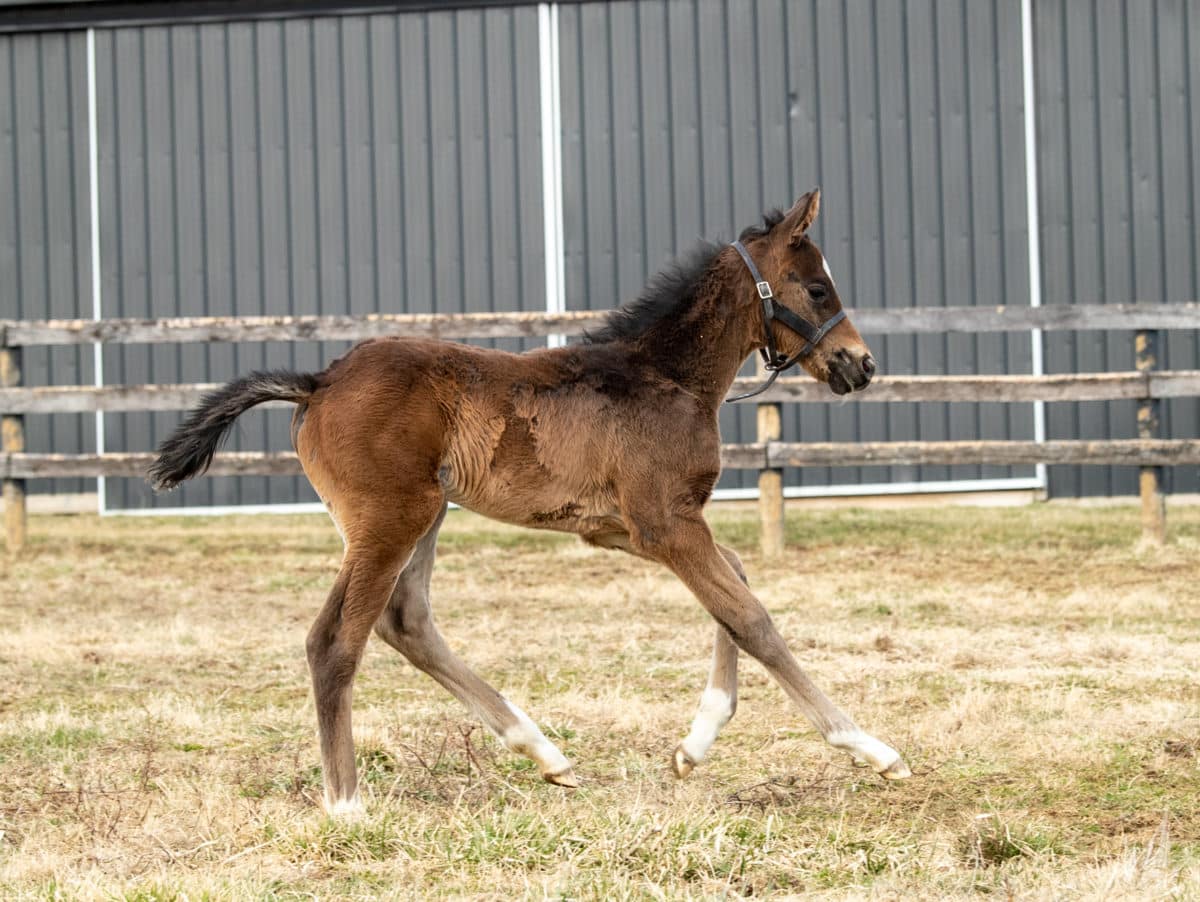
{"x":848,"y":372}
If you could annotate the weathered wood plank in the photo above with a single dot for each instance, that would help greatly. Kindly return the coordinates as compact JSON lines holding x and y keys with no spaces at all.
{"x":241,"y":463}
{"x":744,"y":457}
{"x":509,"y":325}
{"x":1065,"y":387}
{"x":12,"y":441}
{"x":298,"y":328}
{"x":135,"y":464}
{"x":756,"y":456}
{"x":108,"y":398}
{"x":1150,"y":478}
{"x":770,"y":482}
{"x":1068,"y":387}
{"x":848,"y":454}
{"x":1174,"y":383}
{"x":1018,"y":319}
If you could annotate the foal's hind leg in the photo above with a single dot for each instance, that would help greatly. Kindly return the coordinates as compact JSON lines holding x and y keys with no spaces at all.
{"x":719,"y":701}
{"x":407,"y":625}
{"x":377,"y":549}
{"x":685,"y":545}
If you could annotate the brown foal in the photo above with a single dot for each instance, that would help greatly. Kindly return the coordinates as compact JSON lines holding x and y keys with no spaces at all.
{"x":614,"y":439}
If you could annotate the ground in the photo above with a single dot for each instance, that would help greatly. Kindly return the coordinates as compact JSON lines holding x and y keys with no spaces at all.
{"x":1037,"y":669}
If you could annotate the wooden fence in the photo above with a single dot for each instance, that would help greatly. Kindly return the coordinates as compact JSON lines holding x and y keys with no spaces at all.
{"x":1147,"y":385}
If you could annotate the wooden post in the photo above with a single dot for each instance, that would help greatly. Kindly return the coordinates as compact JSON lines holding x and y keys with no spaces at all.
{"x":1154,"y":510}
{"x":770,"y":482}
{"x":12,"y":440}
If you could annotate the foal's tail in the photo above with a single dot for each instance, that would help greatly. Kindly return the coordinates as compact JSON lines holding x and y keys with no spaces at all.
{"x":190,"y":449}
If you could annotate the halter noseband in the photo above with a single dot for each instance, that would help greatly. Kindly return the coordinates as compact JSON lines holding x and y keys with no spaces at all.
{"x":773,"y":361}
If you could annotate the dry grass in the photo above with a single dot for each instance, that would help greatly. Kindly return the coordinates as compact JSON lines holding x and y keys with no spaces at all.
{"x":1040,"y":674}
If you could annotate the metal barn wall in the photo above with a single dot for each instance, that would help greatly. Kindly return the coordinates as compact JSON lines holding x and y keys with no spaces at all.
{"x":1118,"y":109}
{"x":330,"y":165}
{"x":393,"y":162}
{"x":45,"y":268}
{"x":686,"y":119}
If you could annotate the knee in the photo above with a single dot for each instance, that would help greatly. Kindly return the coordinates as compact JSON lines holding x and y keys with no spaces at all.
{"x":674,"y":541}
{"x":330,"y":664}
{"x":330,"y":661}
{"x":320,"y":642}
{"x":754,"y":633}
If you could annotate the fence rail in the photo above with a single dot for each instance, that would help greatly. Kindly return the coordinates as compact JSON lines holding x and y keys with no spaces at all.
{"x":755,"y":456}
{"x":904,"y":320}
{"x":1069,"y":387}
{"x":1148,"y":386}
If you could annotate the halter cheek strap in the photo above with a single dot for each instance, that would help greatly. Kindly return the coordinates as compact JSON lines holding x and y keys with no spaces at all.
{"x":773,"y":361}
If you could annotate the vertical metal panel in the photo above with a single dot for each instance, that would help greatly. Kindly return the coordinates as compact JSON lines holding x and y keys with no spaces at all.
{"x":688,"y":119}
{"x":1117,"y":95}
{"x":44,"y":250}
{"x":325,"y":165}
{"x":392,"y":162}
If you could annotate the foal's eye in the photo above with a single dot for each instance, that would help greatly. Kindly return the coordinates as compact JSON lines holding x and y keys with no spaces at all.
{"x":817,"y":292}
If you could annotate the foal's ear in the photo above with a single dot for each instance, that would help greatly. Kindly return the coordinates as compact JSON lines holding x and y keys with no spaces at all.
{"x":802,"y":215}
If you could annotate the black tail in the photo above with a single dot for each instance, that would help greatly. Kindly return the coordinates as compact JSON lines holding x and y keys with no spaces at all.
{"x":189,"y":451}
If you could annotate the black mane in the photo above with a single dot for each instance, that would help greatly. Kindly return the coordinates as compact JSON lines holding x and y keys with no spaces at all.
{"x":670,"y":290}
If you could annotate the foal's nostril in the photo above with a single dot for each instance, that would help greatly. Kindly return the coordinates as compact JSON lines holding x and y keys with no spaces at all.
{"x":868,"y":366}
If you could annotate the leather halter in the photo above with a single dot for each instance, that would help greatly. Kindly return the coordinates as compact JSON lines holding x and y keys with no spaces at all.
{"x":773,"y":361}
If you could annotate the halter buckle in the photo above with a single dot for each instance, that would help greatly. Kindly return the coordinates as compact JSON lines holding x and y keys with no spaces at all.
{"x":774,"y":362}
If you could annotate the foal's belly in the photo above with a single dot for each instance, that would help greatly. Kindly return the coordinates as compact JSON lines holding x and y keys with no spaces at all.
{"x":537,"y":506}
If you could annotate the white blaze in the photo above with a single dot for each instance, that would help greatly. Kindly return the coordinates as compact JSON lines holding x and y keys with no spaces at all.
{"x":828,"y":271}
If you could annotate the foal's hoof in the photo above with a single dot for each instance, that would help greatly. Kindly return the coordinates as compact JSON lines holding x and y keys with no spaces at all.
{"x":897,"y":770}
{"x":681,"y":763}
{"x":565,"y":778}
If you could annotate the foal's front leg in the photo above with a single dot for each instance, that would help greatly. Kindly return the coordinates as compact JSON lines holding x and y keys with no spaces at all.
{"x":688,"y":549}
{"x":719,"y":701}
{"x":717,"y":706}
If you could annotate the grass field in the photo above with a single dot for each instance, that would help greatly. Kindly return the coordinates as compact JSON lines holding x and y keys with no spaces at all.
{"x":1038,"y":671}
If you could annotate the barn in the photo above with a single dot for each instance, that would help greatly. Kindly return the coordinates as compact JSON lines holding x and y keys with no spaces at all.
{"x":220,"y":158}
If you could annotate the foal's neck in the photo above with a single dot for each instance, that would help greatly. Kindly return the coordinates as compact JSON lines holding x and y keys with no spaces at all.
{"x":703,"y":347}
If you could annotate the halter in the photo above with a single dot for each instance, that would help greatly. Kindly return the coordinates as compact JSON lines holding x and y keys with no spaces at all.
{"x":774,"y":362}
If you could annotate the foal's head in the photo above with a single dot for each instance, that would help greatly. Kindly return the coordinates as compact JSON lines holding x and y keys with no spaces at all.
{"x":801,"y":280}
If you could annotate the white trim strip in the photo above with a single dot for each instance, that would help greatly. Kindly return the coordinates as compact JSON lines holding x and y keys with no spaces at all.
{"x":1032,"y":217}
{"x":551,"y":125}
{"x":94,"y":214}
{"x":886,"y":488}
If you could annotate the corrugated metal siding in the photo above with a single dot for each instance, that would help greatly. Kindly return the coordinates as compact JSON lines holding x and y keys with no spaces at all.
{"x":392,"y":162}
{"x":44,"y":241}
{"x":345,"y":164}
{"x":689,"y":119}
{"x":1118,"y":131}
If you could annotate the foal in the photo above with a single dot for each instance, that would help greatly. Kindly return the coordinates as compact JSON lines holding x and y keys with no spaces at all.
{"x":614,"y":439}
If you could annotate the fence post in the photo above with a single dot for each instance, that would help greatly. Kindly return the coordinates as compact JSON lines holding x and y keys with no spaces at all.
{"x":12,"y":440}
{"x":770,"y":482}
{"x":1154,"y":510}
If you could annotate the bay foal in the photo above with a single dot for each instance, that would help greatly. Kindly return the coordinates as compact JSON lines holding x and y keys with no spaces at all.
{"x":614,"y":439}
